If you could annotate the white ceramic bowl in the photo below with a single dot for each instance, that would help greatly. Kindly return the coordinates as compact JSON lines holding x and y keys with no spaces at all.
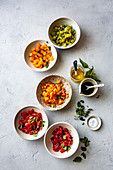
{"x":98,"y":121}
{"x":33,"y":45}
{"x":93,"y":82}
{"x":62,"y":21}
{"x":27,"y":136}
{"x":48,"y":144}
{"x":53,"y":79}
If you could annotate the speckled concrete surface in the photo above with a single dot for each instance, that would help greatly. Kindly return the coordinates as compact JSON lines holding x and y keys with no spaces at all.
{"x":24,"y":21}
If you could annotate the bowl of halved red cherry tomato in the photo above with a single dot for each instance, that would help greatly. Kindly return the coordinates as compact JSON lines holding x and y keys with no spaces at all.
{"x":40,"y":55}
{"x":31,"y":122}
{"x":61,"y":140}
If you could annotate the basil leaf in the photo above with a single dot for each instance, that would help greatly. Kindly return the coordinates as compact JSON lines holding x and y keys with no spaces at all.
{"x":47,"y":64}
{"x":68,"y":148}
{"x":82,"y":119}
{"x":20,"y":127}
{"x":84,"y":155}
{"x":36,"y":118}
{"x":85,"y":141}
{"x":77,"y":159}
{"x":42,"y":125}
{"x":64,"y":137}
{"x":82,"y":101}
{"x":31,"y":121}
{"x":54,"y":106}
{"x":62,"y":145}
{"x":49,"y":47}
{"x":98,"y":96}
{"x":35,"y":135}
{"x":83,"y":148}
{"x":85,"y":65}
{"x":32,"y":131}
{"x":90,"y":72}
{"x":65,"y":148}
{"x":68,"y":131}
{"x":42,"y":121}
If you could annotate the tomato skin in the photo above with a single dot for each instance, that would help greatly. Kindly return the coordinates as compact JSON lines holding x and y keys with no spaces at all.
{"x":30,"y":133}
{"x":35,"y":131}
{"x":20,"y":122}
{"x":39,"y":115}
{"x":62,"y":150}
{"x":38,"y":123}
{"x":32,"y":110}
{"x":56,"y":148}
{"x":40,"y":128}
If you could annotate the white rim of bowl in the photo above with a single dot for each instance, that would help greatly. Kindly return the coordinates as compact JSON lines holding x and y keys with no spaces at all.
{"x":54,"y":109}
{"x":47,"y":132}
{"x":62,"y":46}
{"x":14,"y":120}
{"x":36,"y":69}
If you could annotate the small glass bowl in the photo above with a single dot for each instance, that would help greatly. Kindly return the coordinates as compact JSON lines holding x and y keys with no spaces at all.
{"x":77,"y":80}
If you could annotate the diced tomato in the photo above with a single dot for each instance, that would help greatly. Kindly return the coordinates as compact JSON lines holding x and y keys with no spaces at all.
{"x":62,"y":150}
{"x":38,"y":123}
{"x":39,"y":115}
{"x":30,"y":124}
{"x":61,"y":139}
{"x":20,"y":122}
{"x":35,"y":131}
{"x":56,"y":148}
{"x":31,"y":133}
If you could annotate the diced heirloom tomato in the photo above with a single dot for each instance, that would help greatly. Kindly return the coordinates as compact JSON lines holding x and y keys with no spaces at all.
{"x":30,"y":122}
{"x":61,"y":139}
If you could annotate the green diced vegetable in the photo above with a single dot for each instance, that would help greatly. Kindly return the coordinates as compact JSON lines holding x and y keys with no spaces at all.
{"x":63,"y":35}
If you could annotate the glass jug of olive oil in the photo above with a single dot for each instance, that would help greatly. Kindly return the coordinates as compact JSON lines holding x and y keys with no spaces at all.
{"x":80,"y":74}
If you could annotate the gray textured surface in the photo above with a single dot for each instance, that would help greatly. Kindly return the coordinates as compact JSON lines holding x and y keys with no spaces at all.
{"x":24,"y":21}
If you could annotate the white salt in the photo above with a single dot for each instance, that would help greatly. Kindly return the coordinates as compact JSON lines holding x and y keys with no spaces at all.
{"x":93,"y":122}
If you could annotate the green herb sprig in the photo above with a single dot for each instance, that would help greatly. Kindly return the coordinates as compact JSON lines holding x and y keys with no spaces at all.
{"x":86,"y":142}
{"x":81,"y":111}
{"x":90,"y":73}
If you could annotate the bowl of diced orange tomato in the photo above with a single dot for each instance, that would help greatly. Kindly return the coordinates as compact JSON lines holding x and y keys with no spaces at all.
{"x":54,"y":92}
{"x":40,"y":55}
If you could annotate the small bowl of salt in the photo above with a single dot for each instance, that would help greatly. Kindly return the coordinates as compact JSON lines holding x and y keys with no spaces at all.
{"x":94,"y":122}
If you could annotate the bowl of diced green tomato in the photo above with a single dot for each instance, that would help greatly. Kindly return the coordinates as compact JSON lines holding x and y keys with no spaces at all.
{"x":64,"y":33}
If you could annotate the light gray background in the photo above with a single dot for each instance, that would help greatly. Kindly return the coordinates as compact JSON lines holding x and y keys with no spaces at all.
{"x":22,"y":21}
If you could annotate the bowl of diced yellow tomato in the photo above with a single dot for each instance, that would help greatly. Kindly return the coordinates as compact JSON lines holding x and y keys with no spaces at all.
{"x":54,"y":92}
{"x":40,"y":55}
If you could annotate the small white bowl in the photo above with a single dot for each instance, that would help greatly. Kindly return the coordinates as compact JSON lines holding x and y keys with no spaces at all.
{"x":98,"y":120}
{"x":33,"y":45}
{"x":48,"y":144}
{"x":27,"y":136}
{"x":62,"y":21}
{"x":53,"y":79}
{"x":93,"y":82}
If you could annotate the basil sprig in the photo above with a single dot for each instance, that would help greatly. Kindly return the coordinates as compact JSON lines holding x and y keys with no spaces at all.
{"x":90,"y":73}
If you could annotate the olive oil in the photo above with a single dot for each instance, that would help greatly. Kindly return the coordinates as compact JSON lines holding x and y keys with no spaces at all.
{"x":79,"y":76}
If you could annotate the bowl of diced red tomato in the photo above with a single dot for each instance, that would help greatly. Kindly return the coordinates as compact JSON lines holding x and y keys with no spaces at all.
{"x":40,"y":55}
{"x":61,"y":140}
{"x":31,"y":123}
